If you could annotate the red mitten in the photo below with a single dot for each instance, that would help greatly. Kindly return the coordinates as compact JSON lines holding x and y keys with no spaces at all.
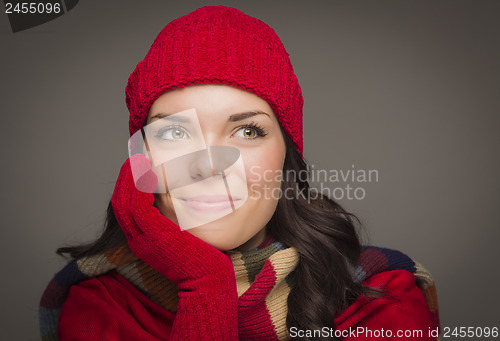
{"x":204,"y":275}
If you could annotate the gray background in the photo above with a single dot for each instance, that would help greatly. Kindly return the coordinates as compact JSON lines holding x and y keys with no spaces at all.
{"x":409,"y":88}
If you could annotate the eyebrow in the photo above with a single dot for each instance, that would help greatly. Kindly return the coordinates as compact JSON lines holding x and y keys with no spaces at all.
{"x":169,"y":117}
{"x":245,"y":115}
{"x":232,"y":118}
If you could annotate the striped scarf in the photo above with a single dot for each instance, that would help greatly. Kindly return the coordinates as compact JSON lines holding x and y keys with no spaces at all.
{"x":260,"y":273}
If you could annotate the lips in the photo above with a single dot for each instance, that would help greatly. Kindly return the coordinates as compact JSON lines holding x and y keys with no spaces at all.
{"x":209,"y":203}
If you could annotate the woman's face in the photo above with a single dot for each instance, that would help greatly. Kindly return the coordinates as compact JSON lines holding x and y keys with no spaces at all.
{"x":229,"y":117}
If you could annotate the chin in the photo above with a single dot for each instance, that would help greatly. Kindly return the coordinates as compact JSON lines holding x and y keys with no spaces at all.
{"x":217,"y":236}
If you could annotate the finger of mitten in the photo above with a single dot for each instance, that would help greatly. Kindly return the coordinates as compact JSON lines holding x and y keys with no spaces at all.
{"x":181,"y":254}
{"x":160,"y":228}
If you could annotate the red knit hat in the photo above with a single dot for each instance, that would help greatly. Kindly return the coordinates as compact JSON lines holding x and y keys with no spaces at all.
{"x":218,"y":44}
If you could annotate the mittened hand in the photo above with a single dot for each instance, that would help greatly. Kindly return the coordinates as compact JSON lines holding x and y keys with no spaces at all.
{"x":182,"y":257}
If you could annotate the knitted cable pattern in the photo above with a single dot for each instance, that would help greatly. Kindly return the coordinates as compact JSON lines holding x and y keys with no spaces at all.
{"x":220,"y":45}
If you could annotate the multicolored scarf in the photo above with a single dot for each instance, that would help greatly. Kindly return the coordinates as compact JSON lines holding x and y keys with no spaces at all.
{"x":261,"y":272}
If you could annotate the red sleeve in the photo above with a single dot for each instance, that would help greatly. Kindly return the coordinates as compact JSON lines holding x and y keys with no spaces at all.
{"x":405,"y":316}
{"x":111,"y":308}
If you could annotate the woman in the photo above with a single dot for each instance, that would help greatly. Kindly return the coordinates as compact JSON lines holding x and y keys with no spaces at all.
{"x":197,"y":244}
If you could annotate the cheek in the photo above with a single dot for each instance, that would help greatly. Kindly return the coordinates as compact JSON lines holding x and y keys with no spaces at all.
{"x":163,"y":203}
{"x":264,"y":170}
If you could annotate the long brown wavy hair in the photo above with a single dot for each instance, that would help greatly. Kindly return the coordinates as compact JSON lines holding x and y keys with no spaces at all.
{"x":324,"y":234}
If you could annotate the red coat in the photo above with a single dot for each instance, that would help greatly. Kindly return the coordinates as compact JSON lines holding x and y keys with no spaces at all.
{"x":110,"y":308}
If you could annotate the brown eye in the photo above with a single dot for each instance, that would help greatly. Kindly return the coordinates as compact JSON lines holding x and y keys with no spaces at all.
{"x":249,"y":133}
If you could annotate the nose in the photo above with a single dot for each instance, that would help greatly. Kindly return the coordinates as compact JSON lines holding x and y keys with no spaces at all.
{"x":200,"y":165}
{"x":212,"y":161}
